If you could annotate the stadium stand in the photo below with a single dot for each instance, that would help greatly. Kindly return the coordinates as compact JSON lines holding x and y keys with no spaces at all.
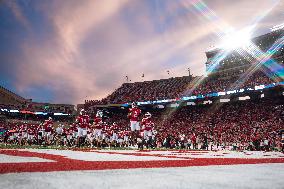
{"x":16,"y":108}
{"x":175,"y":88}
{"x":7,"y":97}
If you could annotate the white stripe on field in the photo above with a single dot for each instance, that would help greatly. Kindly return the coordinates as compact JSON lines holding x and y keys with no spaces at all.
{"x":17,"y":159}
{"x":94,"y":156}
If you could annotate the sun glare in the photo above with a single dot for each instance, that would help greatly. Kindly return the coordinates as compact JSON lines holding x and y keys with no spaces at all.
{"x":236,"y":39}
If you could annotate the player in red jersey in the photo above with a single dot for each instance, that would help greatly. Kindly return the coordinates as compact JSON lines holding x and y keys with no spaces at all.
{"x":40,"y":134}
{"x":126,"y":134}
{"x":31,"y":135}
{"x":106,"y":134}
{"x":114,"y":134}
{"x":48,"y":129}
{"x":72,"y":132}
{"x":83,"y":123}
{"x":22,"y":134}
{"x":147,"y":126}
{"x":98,"y":127}
{"x":194,"y":141}
{"x":98,"y":124}
{"x":133,"y":115}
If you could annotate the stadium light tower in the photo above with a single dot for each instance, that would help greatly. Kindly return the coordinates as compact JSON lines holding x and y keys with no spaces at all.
{"x":236,"y":39}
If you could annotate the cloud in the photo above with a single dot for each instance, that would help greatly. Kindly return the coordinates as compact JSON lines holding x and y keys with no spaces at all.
{"x":18,"y":13}
{"x":55,"y":63}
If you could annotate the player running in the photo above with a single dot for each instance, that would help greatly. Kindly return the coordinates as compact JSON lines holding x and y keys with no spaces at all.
{"x":133,"y":115}
{"x":48,"y":130}
{"x":83,"y":123}
{"x":98,"y":127}
{"x":147,"y":126}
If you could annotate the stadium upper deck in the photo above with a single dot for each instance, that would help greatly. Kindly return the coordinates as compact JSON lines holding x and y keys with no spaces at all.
{"x":7,"y":97}
{"x":11,"y":101}
{"x":238,"y":61}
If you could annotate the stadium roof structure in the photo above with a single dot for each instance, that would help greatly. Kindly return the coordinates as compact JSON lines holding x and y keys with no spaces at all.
{"x":277,"y":27}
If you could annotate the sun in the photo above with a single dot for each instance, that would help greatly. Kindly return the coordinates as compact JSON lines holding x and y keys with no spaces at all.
{"x":236,"y":39}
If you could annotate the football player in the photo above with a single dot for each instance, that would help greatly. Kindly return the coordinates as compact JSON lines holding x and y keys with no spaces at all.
{"x":48,"y":129}
{"x":83,"y":123}
{"x":147,"y":126}
{"x":133,"y":115}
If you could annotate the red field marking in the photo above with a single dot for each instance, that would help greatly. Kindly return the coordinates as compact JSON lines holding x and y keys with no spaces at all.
{"x":64,"y":164}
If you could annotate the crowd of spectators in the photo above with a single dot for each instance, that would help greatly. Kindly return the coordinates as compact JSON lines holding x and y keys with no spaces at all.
{"x":174,"y":88}
{"x":244,"y":125}
{"x":8,"y":97}
{"x":216,"y":84}
{"x":31,"y":108}
{"x":150,"y":90}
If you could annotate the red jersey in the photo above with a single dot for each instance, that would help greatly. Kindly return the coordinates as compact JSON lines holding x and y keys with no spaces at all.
{"x":48,"y":125}
{"x":126,"y":133}
{"x":147,"y":124}
{"x":120,"y":134}
{"x":71,"y":130}
{"x":106,"y":127}
{"x":134,"y":114}
{"x":193,"y":139}
{"x":114,"y":128}
{"x":23,"y":128}
{"x":64,"y":131}
{"x":74,"y":128}
{"x":31,"y":132}
{"x":83,"y":121}
{"x":98,"y":123}
{"x":97,"y":120}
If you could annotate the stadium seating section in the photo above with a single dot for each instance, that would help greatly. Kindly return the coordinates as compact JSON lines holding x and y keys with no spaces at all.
{"x":9,"y":98}
{"x":173,"y":88}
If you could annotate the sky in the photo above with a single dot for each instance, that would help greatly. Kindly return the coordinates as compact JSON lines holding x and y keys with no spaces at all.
{"x":67,"y":51}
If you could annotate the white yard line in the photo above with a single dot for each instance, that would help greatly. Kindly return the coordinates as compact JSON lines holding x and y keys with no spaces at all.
{"x":208,"y":154}
{"x":17,"y":159}
{"x":94,"y":156}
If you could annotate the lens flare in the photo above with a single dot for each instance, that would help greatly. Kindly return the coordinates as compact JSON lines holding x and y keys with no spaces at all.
{"x":236,"y":39}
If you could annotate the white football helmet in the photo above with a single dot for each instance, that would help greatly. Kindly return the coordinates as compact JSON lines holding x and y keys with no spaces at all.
{"x":148,"y":115}
{"x":82,"y":112}
{"x":134,"y":104}
{"x":99,"y":113}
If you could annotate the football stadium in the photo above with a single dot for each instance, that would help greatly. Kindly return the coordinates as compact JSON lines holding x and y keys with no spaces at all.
{"x":223,"y":128}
